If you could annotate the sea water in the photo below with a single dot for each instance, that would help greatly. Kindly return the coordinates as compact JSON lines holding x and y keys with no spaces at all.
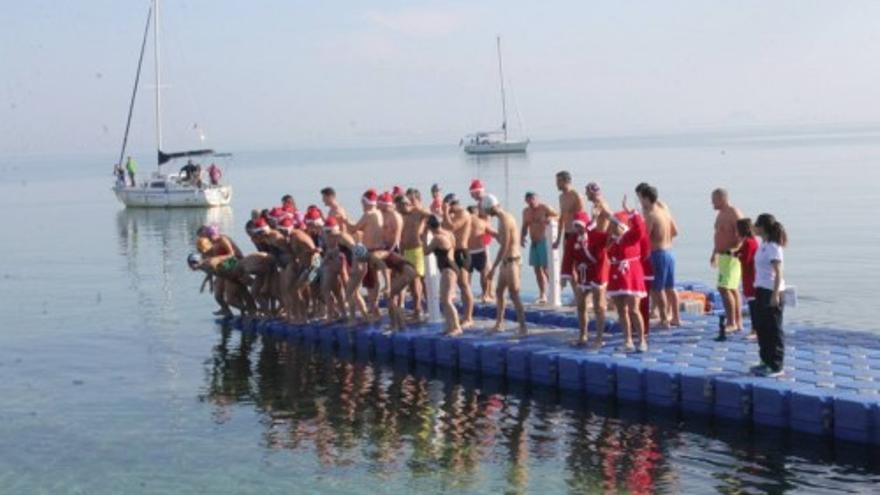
{"x":115,"y":378}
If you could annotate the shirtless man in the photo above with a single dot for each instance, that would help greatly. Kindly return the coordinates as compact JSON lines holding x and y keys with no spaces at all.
{"x":508,"y":259}
{"x":411,"y":243}
{"x":661,"y":230}
{"x":334,"y":209}
{"x":570,"y":203}
{"x":392,"y":222}
{"x":294,"y":278}
{"x":370,"y":233}
{"x":598,"y":204}
{"x":333,"y":276}
{"x":479,"y":252}
{"x":458,"y":220}
{"x":535,"y":218}
{"x":729,"y":269}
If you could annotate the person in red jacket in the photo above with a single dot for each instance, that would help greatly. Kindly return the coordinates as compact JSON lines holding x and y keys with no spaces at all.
{"x":748,"y":246}
{"x":626,"y":283}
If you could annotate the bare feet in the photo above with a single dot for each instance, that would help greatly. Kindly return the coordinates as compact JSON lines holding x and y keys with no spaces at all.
{"x":580,"y":342}
{"x":498,"y":327}
{"x":597,"y":344}
{"x":454,"y":333}
{"x":541,"y":301}
{"x":467,"y":323}
{"x":522,"y":331}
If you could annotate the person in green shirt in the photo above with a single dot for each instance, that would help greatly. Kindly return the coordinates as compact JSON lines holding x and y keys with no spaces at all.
{"x":131,"y":167}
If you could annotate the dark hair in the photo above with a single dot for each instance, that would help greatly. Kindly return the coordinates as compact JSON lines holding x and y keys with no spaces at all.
{"x":328,"y":191}
{"x":564,"y":175}
{"x":744,"y":227}
{"x":415,"y":193}
{"x":433,"y":222}
{"x":649,"y":193}
{"x":641,"y":187}
{"x":472,"y":209}
{"x":773,"y":229}
{"x":530,"y":195}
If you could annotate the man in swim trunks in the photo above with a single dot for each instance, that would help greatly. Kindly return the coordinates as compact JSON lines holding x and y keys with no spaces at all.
{"x":570,"y":203}
{"x":334,"y":275}
{"x":411,"y":242}
{"x":535,"y":218}
{"x":729,"y":268}
{"x":661,"y":230}
{"x":458,"y":220}
{"x":479,"y":253}
{"x":370,"y":233}
{"x":506,"y":263}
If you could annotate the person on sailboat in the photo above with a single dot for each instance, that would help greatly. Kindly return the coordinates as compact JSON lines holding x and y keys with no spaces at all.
{"x":131,"y":168}
{"x":188,"y":171}
{"x":214,"y":174}
{"x":119,"y":173}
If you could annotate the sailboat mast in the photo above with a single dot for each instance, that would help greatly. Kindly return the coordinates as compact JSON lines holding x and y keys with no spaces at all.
{"x":158,"y":83}
{"x":503,"y":98}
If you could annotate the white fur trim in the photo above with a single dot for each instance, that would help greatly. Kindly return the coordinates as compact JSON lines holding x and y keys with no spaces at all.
{"x":615,"y":293}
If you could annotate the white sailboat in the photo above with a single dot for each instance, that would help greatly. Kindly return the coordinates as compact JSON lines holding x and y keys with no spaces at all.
{"x":498,"y":140}
{"x":162,"y":189}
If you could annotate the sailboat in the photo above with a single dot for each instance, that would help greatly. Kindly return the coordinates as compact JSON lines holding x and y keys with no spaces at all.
{"x":498,"y":140}
{"x":167,"y":189}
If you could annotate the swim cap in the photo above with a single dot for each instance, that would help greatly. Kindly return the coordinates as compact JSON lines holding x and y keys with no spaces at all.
{"x":212,"y":231}
{"x":476,"y":186}
{"x":360,"y":252}
{"x":451,"y":198}
{"x":435,"y":188}
{"x":396,"y":192}
{"x":488,"y":202}
{"x":593,"y":187}
{"x":193,"y":260}
{"x":203,"y":245}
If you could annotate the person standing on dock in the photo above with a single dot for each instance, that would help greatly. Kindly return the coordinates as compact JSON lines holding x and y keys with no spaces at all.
{"x":570,"y":203}
{"x":441,"y":246}
{"x":508,"y":259}
{"x":334,"y":209}
{"x":729,"y":269}
{"x":661,"y":229}
{"x":536,"y":217}
{"x":769,"y":288}
{"x":131,"y":168}
{"x":748,"y":246}
{"x":479,"y":252}
{"x":411,"y":242}
{"x":457,"y":220}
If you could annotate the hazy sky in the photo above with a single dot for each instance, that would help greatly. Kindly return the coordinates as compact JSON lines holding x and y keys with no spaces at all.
{"x":284,"y":73}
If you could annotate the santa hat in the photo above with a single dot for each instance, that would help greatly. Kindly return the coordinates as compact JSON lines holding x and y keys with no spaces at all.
{"x":286,"y":225}
{"x":331,"y":225}
{"x":385,"y":199}
{"x":313,"y":217}
{"x":582,"y":218}
{"x":622,"y":216}
{"x":261,"y":226}
{"x":476,"y":186}
{"x":369,"y":198}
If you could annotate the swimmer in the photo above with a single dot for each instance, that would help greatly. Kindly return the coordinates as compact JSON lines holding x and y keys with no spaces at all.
{"x":570,"y":203}
{"x":536,"y":217}
{"x":412,"y":243}
{"x":479,"y":252}
{"x":441,"y":246}
{"x":508,"y":260}
{"x":457,"y":220}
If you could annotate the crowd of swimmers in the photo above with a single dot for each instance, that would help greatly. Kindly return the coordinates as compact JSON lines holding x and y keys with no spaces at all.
{"x":321,"y":264}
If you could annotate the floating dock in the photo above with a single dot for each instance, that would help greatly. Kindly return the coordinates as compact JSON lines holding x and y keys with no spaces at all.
{"x":831,"y":386}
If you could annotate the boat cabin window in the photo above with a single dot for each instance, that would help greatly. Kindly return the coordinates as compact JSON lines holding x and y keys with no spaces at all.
{"x":157,"y":185}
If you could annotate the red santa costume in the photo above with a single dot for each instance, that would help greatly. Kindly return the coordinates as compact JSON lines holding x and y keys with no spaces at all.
{"x":589,"y":255}
{"x":648,"y":270}
{"x":625,"y":254}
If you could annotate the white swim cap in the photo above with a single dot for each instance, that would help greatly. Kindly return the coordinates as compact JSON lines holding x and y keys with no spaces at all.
{"x":488,"y":202}
{"x":194,"y":259}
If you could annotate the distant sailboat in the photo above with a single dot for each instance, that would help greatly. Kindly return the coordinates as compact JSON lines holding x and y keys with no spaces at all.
{"x":496,"y":141}
{"x":162,"y":189}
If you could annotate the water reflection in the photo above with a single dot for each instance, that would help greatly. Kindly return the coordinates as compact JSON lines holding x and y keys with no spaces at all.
{"x":458,"y":433}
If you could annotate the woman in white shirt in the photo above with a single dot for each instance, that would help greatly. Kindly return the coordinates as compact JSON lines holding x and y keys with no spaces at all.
{"x":769,"y":286}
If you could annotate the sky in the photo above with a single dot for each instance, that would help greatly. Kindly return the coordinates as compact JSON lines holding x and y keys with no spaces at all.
{"x":282,"y":74}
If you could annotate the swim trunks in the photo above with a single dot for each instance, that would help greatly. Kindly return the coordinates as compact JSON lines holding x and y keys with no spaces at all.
{"x":462,"y":258}
{"x":478,"y":261}
{"x":538,"y":254}
{"x":416,"y":257}
{"x":729,"y":272}
{"x":663,"y":264}
{"x":568,"y":256}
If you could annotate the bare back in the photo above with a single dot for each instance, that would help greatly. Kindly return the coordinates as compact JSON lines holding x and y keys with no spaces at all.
{"x":725,"y":228}
{"x":570,"y":203}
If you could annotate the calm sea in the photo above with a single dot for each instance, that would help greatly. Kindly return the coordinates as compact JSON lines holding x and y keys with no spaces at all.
{"x":115,"y":378}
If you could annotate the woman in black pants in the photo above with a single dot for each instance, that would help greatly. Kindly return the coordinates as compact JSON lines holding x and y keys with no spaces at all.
{"x":769,"y":286}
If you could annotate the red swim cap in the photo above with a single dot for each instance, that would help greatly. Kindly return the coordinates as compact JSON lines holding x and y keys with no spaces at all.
{"x":476,"y":185}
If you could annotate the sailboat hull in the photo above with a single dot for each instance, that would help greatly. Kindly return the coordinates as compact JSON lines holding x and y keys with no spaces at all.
{"x":184,"y":197}
{"x":496,"y":147}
